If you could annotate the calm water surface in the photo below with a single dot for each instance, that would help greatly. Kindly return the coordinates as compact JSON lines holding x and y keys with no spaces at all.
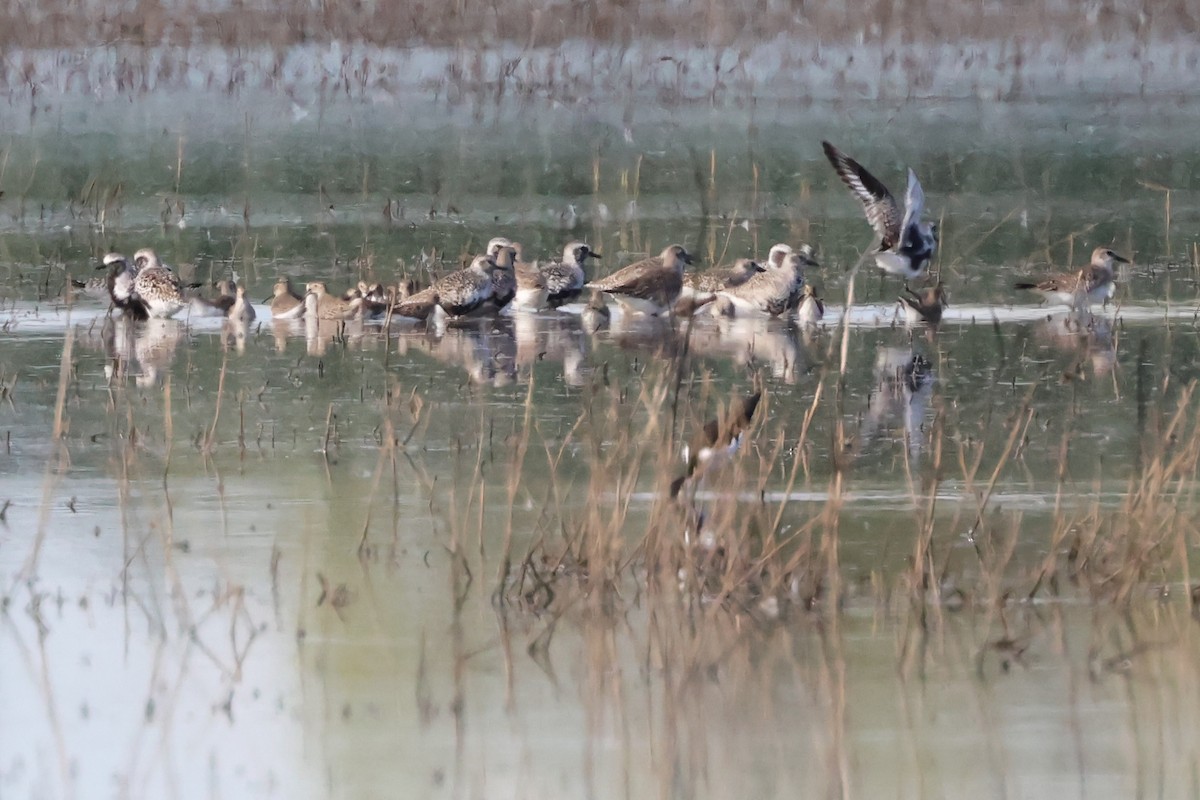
{"x":218,"y":583}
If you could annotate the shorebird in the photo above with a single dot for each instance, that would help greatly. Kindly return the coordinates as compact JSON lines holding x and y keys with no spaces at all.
{"x":716,"y":442}
{"x":557,"y":283}
{"x":241,"y":311}
{"x":595,"y":314}
{"x":463,"y":293}
{"x":219,"y":306}
{"x":505,"y":282}
{"x":321,"y":305}
{"x":285,"y":303}
{"x":771,"y":292}
{"x":906,"y":244}
{"x":648,"y":287}
{"x":699,"y":289}
{"x":924,"y":306}
{"x":811,"y":309}
{"x":1095,"y":283}
{"x":117,"y":285}
{"x":101,"y":287}
{"x":157,"y":285}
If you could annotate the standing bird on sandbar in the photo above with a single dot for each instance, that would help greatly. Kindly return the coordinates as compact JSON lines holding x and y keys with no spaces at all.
{"x":650,"y":286}
{"x":1095,"y":283}
{"x":906,"y":244}
{"x":157,"y":285}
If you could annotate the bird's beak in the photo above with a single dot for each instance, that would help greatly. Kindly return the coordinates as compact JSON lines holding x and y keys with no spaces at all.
{"x":1121,"y":259}
{"x":594,"y":254}
{"x":688,"y":258}
{"x":269,"y":299}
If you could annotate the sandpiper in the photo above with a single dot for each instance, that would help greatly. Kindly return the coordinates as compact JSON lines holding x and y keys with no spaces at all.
{"x":924,"y":306}
{"x":812,"y":308}
{"x":906,"y":244}
{"x":648,"y":287}
{"x":241,"y":311}
{"x":321,"y":305}
{"x":772,"y":292}
{"x":1094,"y":283}
{"x":285,"y":303}
{"x":157,"y":285}
{"x":219,"y":306}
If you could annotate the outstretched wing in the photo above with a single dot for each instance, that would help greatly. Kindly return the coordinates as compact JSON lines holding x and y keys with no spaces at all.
{"x":914,"y":203}
{"x":882,"y":212}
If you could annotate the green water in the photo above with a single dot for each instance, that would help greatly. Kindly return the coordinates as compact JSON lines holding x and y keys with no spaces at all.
{"x":217,"y":583}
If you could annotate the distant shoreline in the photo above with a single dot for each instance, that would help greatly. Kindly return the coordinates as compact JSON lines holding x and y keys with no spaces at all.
{"x":650,"y":72}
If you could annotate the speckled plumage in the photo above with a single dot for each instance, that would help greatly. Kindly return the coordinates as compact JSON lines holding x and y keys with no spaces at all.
{"x":157,"y":285}
{"x":650,"y":286}
{"x":467,"y":291}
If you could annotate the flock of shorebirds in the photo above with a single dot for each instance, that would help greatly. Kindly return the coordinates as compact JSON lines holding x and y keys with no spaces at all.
{"x":501,"y":277}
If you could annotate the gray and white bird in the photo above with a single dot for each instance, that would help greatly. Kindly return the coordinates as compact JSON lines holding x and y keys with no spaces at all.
{"x":157,"y":285}
{"x":906,"y":244}
{"x":650,"y":286}
{"x":565,"y":279}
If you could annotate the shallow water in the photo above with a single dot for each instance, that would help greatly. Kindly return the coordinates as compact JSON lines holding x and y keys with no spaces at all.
{"x":219,"y":583}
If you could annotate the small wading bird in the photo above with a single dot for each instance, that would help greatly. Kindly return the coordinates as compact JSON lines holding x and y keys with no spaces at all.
{"x":924,"y":306}
{"x":648,"y":287}
{"x":157,"y":285}
{"x":1095,"y":283}
{"x":319,"y":304}
{"x":711,"y":449}
{"x":699,"y":289}
{"x":812,"y":308}
{"x":285,"y":303}
{"x":564,"y":280}
{"x":773,"y":292}
{"x":906,"y":244}
{"x":715,"y":442}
